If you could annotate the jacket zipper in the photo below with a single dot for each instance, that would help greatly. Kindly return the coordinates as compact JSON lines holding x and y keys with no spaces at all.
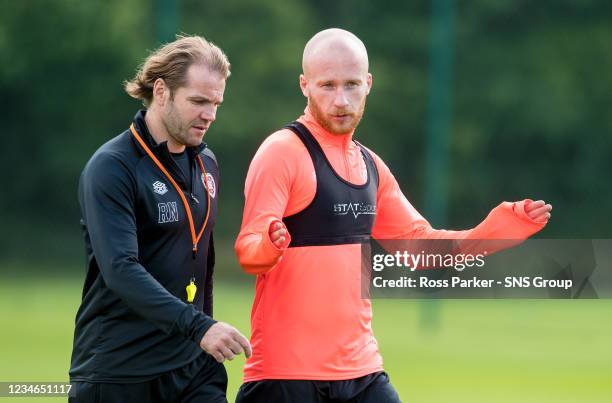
{"x":346,"y":162}
{"x":192,"y":195}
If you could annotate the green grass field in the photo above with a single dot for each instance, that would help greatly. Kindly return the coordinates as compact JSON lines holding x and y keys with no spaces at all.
{"x":480,"y":351}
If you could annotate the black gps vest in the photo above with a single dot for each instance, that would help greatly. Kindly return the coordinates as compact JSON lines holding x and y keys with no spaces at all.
{"x":341,"y":212}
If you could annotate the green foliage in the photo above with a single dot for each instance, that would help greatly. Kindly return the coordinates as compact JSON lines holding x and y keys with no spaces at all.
{"x":530,"y":95}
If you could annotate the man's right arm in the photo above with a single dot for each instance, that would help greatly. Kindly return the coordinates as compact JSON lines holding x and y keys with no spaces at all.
{"x":263,"y":237}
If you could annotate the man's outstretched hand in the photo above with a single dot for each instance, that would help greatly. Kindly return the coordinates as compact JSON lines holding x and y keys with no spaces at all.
{"x":538,"y":211}
{"x":223,"y":342}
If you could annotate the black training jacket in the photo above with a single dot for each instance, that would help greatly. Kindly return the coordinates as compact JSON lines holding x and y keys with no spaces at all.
{"x":134,"y":321}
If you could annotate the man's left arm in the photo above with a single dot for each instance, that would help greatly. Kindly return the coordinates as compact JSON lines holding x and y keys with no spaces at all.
{"x":208,"y":282}
{"x":396,"y":218}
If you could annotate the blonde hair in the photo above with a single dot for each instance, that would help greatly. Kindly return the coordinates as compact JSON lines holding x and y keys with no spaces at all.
{"x":171,"y":61}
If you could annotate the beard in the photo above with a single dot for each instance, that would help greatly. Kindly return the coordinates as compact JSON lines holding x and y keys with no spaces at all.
{"x":177,"y":129}
{"x":327,"y":122}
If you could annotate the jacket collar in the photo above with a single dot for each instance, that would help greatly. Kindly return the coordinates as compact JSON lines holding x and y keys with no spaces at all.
{"x":161,"y":149}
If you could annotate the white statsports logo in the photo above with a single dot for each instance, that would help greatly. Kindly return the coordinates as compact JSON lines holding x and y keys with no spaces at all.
{"x":210,"y":184}
{"x":160,"y":187}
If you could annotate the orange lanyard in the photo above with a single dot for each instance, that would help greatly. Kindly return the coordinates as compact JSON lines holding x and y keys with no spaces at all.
{"x":194,"y":238}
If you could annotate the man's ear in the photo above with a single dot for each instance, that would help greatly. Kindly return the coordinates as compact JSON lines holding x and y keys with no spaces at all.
{"x":304,"y":85}
{"x":160,"y":92}
{"x":369,"y":83}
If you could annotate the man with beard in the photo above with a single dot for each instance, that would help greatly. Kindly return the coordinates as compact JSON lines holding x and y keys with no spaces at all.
{"x":148,"y":200}
{"x":313,"y":195}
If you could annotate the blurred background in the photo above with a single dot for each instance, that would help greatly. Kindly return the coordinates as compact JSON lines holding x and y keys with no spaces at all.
{"x":474,"y":102}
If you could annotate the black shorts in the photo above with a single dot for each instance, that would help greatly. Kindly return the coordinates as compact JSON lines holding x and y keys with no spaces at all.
{"x":203,"y":380}
{"x":373,"y":388}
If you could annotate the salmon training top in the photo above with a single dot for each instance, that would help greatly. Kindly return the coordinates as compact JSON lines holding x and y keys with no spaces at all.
{"x":309,"y":320}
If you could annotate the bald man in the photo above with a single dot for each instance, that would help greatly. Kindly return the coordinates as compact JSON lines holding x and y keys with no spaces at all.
{"x":313,"y":196}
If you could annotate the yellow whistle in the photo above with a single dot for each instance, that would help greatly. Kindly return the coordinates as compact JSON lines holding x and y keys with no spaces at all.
{"x":191,"y":291}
